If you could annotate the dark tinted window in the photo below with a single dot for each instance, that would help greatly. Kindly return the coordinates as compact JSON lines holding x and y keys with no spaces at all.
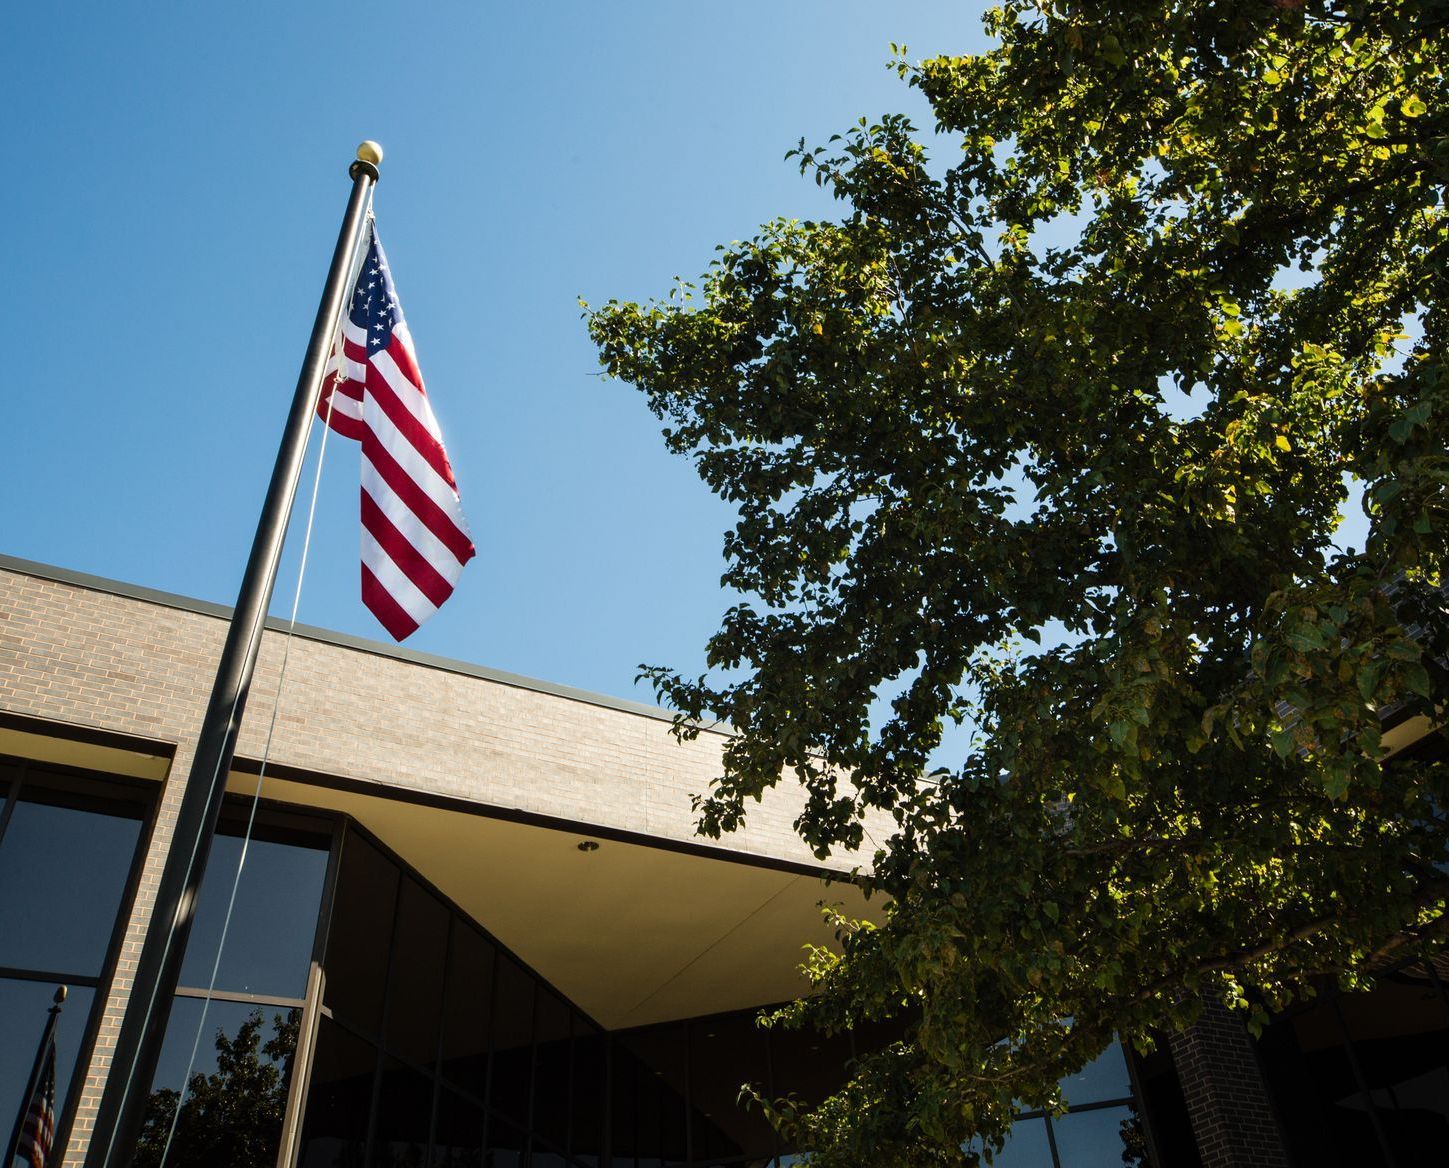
{"x":458,"y":1135}
{"x":1102,"y":1079}
{"x":467,"y":1009}
{"x":725,"y":1053}
{"x":1027,"y":1147}
{"x":415,"y":991}
{"x":806,"y":1063}
{"x":23,"y":1014}
{"x":269,"y":939}
{"x":553,"y":1056}
{"x":236,"y":1094}
{"x":591,"y":1053}
{"x":513,"y":1040}
{"x":507,"y":1143}
{"x":1094,"y":1139}
{"x":339,"y":1100}
{"x":57,"y":912}
{"x":404,"y":1117}
{"x":360,"y":936}
{"x":661,"y":1056}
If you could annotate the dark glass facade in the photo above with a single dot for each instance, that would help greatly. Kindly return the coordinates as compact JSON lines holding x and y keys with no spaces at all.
{"x":430,"y":1043}
{"x":1362,"y":1079}
{"x":68,"y":851}
{"x":437,"y":1046}
{"x":356,"y":1018}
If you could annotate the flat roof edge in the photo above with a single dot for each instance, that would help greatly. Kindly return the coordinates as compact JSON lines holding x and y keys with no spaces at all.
{"x":174,"y":600}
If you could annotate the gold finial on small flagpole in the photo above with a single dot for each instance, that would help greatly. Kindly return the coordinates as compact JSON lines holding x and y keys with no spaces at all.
{"x":369,"y":154}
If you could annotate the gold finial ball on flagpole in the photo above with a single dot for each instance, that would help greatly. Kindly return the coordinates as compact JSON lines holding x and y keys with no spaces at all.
{"x":369,"y":151}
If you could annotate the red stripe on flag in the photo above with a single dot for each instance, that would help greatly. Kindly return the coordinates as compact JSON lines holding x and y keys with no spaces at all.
{"x":418,"y":501}
{"x":380,"y":603}
{"x":344,"y":424}
{"x":424,"y":442}
{"x":414,"y":565}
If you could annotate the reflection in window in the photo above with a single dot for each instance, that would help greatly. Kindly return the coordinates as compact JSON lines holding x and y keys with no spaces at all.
{"x":1102,"y":1138}
{"x":1104,"y":1078}
{"x":59,"y":916}
{"x":1026,"y":1147}
{"x":24,"y":1007}
{"x":269,"y":938}
{"x":233,"y":1102}
{"x":231,"y":1116}
{"x":68,"y":845}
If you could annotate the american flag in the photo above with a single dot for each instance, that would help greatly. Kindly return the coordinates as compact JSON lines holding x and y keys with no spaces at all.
{"x":415,"y":540}
{"x":37,"y":1129}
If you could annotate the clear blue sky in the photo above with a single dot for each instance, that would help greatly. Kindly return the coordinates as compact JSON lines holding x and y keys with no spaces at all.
{"x":174,"y":179}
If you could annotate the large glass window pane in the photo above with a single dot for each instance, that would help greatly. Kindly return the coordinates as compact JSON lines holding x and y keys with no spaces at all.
{"x":625,"y":1079}
{"x":662,"y":1127}
{"x":360,"y":935}
{"x":269,"y":939}
{"x":1096,"y":1139}
{"x":1102,"y":1079}
{"x":1400,"y":1034}
{"x":590,"y":1083}
{"x":1324,"y":1115}
{"x":507,"y":1143}
{"x":724,"y":1054}
{"x":1026,"y":1147}
{"x":467,"y":1011}
{"x":404,"y":1118}
{"x":458,"y":1137}
{"x":808,"y":1064}
{"x":24,"y":1007}
{"x":1166,"y":1109}
{"x":552,"y":1067}
{"x":513,"y":1040}
{"x":415,"y":987}
{"x":59,"y":915}
{"x":339,"y":1100}
{"x":237,"y":1089}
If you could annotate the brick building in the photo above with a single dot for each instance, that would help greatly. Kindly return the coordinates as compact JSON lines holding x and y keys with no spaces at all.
{"x":474,"y":927}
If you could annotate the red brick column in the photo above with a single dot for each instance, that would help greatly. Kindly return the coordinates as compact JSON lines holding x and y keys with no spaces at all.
{"x":1227,"y":1100}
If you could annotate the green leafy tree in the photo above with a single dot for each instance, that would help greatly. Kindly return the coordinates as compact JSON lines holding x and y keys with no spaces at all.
{"x":232,"y":1118}
{"x":1048,"y":434}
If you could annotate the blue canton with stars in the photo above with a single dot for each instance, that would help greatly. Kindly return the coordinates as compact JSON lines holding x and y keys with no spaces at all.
{"x":374,"y":300}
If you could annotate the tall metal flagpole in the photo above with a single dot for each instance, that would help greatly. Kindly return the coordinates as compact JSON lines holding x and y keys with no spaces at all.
{"x":33,"y":1083}
{"x":123,"y":1103}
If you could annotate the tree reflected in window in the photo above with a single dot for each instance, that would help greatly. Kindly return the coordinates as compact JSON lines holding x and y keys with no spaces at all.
{"x":231,"y":1117}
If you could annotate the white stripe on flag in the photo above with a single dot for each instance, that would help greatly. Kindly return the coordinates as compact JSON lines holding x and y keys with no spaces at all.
{"x":413,"y":529}
{"x":414,"y":465}
{"x":395,"y":581}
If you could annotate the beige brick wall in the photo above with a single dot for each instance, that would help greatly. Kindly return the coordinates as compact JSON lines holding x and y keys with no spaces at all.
{"x":85,"y":655}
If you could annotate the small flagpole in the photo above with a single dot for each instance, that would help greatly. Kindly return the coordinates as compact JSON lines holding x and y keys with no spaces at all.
{"x":36,"y":1069}
{"x":138,"y":1046}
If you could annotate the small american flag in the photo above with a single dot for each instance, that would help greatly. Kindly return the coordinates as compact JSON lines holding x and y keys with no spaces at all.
{"x":37,"y":1129}
{"x":415,"y":539}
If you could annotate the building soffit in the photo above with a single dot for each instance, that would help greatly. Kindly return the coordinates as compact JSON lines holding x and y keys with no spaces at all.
{"x":633,"y":933}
